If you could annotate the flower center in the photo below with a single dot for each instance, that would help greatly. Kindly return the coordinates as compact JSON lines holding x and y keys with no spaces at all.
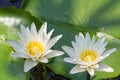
{"x":34,"y":48}
{"x":88,"y":56}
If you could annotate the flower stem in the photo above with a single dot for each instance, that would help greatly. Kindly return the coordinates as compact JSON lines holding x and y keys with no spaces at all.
{"x":40,"y":72}
{"x":88,"y":76}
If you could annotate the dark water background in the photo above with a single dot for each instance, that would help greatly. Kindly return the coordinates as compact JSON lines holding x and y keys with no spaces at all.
{"x":7,"y":3}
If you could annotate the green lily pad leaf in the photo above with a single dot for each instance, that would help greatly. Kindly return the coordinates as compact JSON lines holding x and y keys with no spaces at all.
{"x":68,"y":17}
{"x":13,"y":17}
{"x":82,"y":15}
{"x":10,"y":20}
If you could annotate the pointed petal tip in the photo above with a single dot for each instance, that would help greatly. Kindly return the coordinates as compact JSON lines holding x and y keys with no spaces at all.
{"x":60,"y":36}
{"x":22,"y":27}
{"x":64,"y":59}
{"x":54,"y":53}
{"x":68,"y":60}
{"x":45,"y":23}
{"x":25,"y":70}
{"x":52,"y":30}
{"x":33,"y":25}
{"x":81,"y":35}
{"x":105,"y":68}
{"x":91,"y":72}
{"x":59,"y":53}
{"x":87,"y":34}
{"x":64,"y":46}
{"x":71,"y":72}
{"x":62,"y":53}
{"x":112,"y":50}
{"x":111,"y":70}
{"x":108,"y":69}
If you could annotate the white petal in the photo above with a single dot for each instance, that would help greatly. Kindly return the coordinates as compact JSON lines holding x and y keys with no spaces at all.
{"x":100,"y":51}
{"x":19,"y":55}
{"x":43,"y":60}
{"x":23,"y":29}
{"x":88,"y":38}
{"x":76,"y":69}
{"x":76,"y":46}
{"x":47,"y":37}
{"x":42,"y":31}
{"x":71,"y":60}
{"x":29,"y":64}
{"x":91,"y":71}
{"x":16,"y":46}
{"x":80,"y":40}
{"x":47,"y":52}
{"x":106,"y":54}
{"x":93,"y":40}
{"x":33,"y":28}
{"x":29,"y":35}
{"x":26,"y":32}
{"x":44,"y":28}
{"x":50,"y":33}
{"x":104,"y":67}
{"x":70,"y":51}
{"x":22,"y":37}
{"x":99,"y":43}
{"x":100,"y":48}
{"x":54,"y":53}
{"x":81,"y":35}
{"x":77,"y":38}
{"x":52,"y":42}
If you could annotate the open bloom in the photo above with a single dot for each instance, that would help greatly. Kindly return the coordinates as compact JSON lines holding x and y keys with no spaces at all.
{"x":87,"y":54}
{"x":35,"y":46}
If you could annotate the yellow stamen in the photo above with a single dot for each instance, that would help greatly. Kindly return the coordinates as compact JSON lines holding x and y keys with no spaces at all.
{"x":88,"y":56}
{"x":34,"y":48}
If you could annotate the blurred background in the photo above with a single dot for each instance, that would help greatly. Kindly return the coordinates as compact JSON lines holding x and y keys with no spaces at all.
{"x":6,"y":3}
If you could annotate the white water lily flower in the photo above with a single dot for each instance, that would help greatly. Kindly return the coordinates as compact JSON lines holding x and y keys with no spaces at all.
{"x":87,"y":54}
{"x":35,"y":46}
